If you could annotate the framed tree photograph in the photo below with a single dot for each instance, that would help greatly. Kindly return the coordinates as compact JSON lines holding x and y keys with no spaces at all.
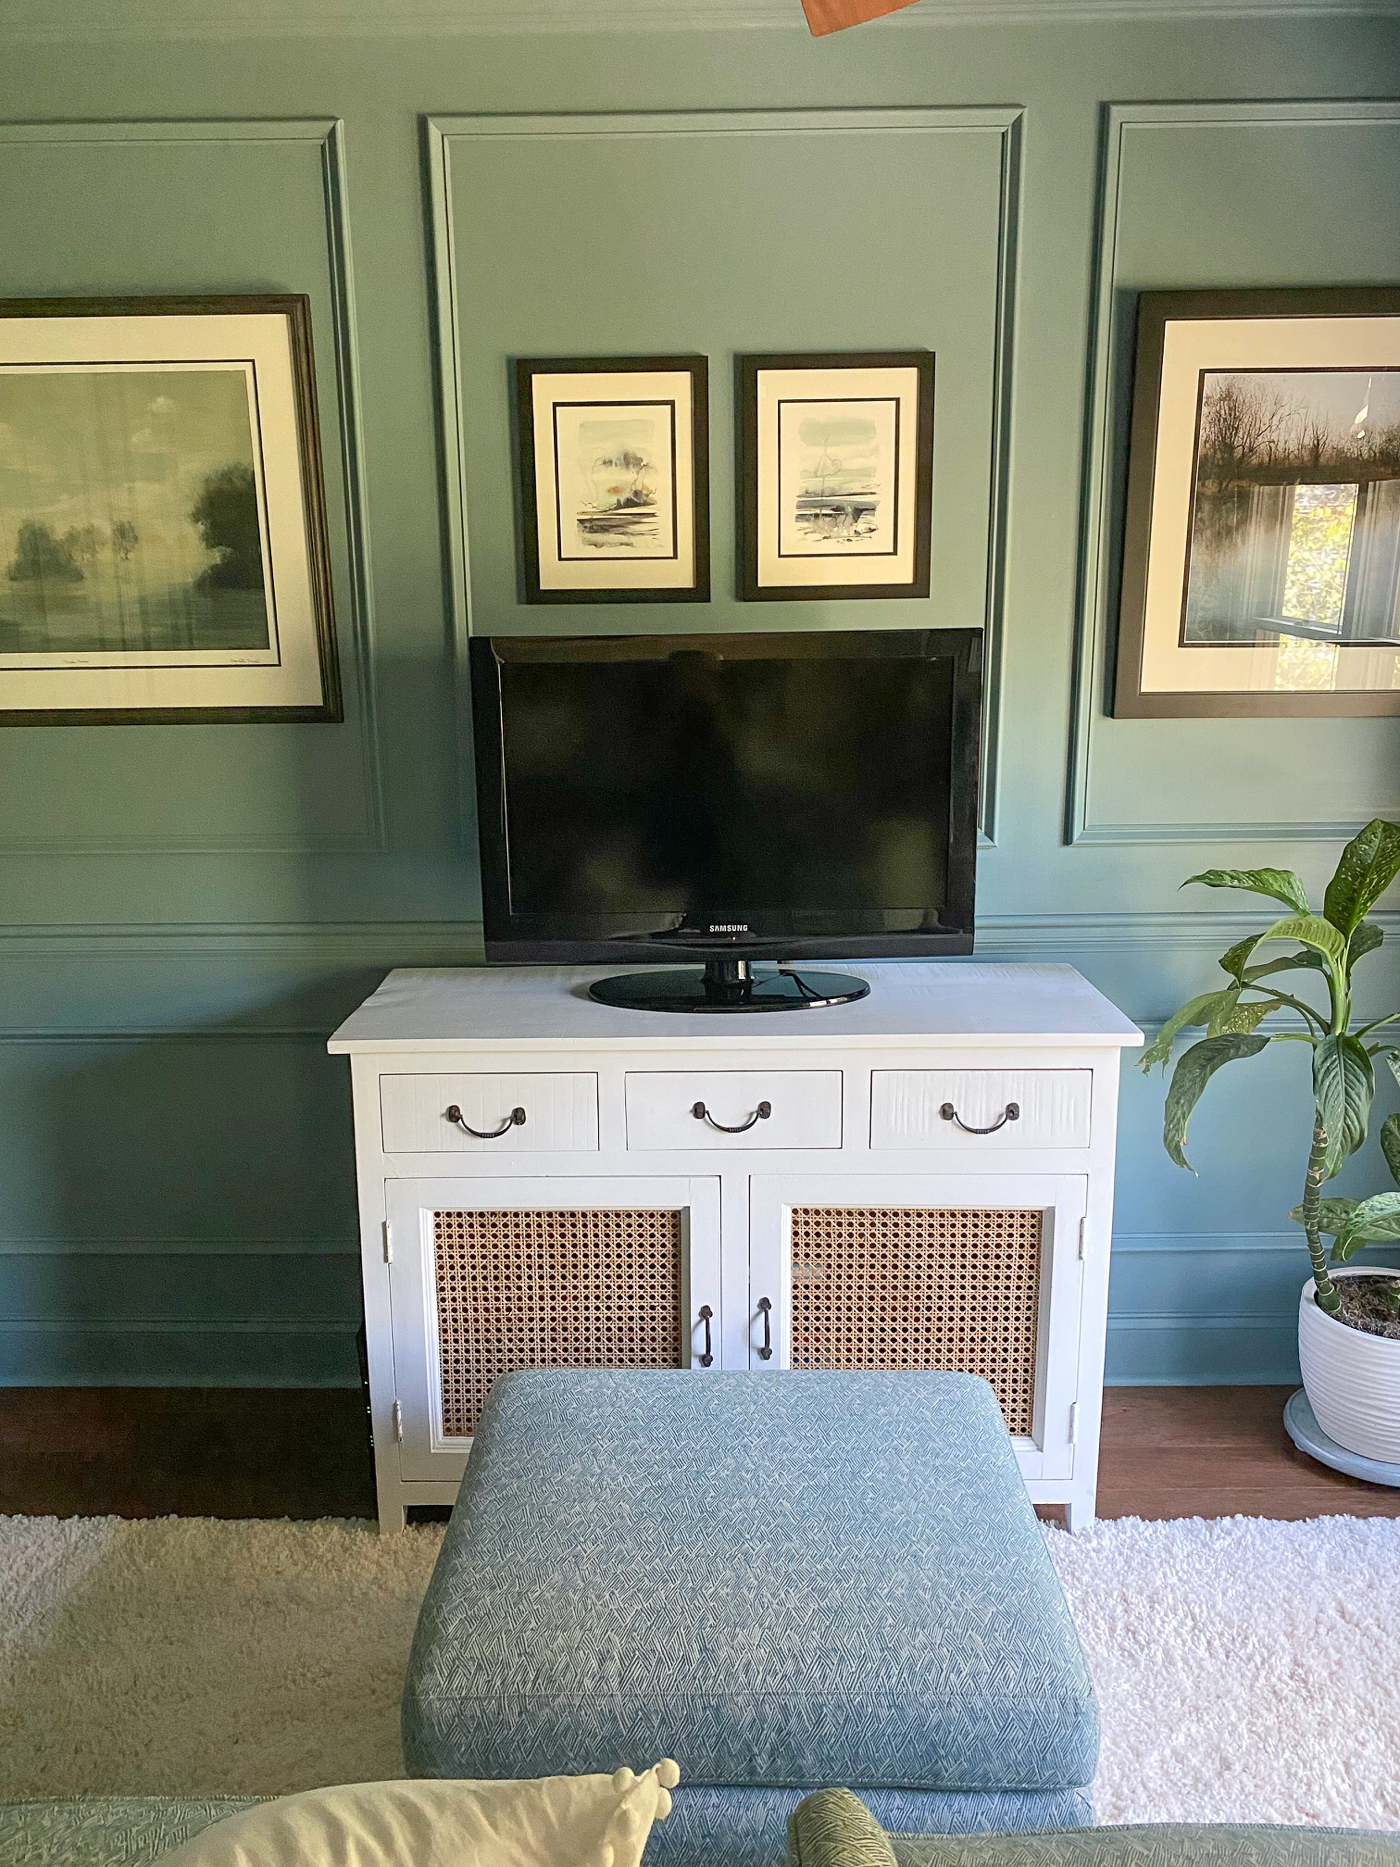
{"x":1261,"y":550}
{"x":614,"y":479}
{"x":163,"y":551}
{"x":835,"y":475}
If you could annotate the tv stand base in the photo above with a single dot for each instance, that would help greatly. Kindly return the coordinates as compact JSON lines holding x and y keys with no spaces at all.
{"x":727,"y":984}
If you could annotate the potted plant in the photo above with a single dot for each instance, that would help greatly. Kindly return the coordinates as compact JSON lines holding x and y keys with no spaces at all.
{"x":1349,"y":1318}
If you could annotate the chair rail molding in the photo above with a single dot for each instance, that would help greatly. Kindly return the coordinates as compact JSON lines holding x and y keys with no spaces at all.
{"x":329,"y":134}
{"x":1005,"y":121}
{"x":40,"y":21}
{"x":1093,"y":629}
{"x":178,"y":1248}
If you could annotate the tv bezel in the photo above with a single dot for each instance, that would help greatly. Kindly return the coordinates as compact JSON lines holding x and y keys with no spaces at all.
{"x":543,"y":939}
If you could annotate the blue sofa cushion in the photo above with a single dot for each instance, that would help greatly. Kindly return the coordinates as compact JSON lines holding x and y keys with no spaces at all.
{"x":774,"y":1578}
{"x":712,"y":1827}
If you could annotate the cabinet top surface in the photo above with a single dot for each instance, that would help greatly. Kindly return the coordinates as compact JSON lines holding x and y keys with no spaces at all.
{"x":910,"y":1002}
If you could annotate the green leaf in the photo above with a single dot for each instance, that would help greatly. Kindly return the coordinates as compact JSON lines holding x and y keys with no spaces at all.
{"x":1291,"y":962}
{"x":1392,"y":1057}
{"x":1368,"y":865}
{"x":1194,"y":1011}
{"x":1225,"y":1003}
{"x":1343,"y":1083}
{"x":1193,"y":1071}
{"x":1313,"y":931}
{"x":1231,"y":1015}
{"x":1390,"y":1145}
{"x":1233,"y":961}
{"x":1366,"y":937}
{"x":1282,"y":884}
{"x":1374,"y":1221}
{"x":1332,"y":1215}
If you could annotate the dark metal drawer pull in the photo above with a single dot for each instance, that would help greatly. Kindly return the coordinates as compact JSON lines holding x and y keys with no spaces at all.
{"x":705,"y":1314}
{"x":1012,"y":1112}
{"x":516,"y":1119}
{"x":761,"y":1113}
{"x":765,"y":1310}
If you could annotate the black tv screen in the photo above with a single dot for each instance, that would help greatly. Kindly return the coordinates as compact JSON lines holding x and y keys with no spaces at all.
{"x":773,"y":794}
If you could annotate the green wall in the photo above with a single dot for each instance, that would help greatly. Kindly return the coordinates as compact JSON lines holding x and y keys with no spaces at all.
{"x":188,"y":910}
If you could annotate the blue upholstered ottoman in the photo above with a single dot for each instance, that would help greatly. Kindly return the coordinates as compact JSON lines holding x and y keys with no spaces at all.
{"x":780,"y":1580}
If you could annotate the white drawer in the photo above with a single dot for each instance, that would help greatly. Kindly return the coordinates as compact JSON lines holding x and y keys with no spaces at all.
{"x":1052,"y":1108}
{"x":803,"y":1108}
{"x":561,"y":1114}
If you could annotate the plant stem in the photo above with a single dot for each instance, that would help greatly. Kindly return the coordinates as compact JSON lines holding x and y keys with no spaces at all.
{"x":1339,"y":994}
{"x":1287,"y":998}
{"x":1327,"y":1296}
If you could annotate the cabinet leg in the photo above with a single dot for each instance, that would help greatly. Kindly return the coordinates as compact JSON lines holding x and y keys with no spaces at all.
{"x":388,"y":1499}
{"x":1079,"y":1512}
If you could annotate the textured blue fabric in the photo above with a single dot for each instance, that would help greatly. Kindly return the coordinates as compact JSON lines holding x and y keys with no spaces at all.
{"x":715,"y":1827}
{"x":786,"y":1579}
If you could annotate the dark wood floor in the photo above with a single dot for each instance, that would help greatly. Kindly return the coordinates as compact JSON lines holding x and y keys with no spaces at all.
{"x":1218,"y":1452}
{"x":219,"y":1452}
{"x":184,"y":1451}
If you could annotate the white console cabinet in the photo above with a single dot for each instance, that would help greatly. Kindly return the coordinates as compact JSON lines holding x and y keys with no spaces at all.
{"x":921,"y":1179}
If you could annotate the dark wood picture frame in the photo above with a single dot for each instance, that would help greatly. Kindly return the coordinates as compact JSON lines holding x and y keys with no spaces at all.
{"x":748,"y":370}
{"x":525,"y":370}
{"x":295,"y":307}
{"x":1154,"y":312}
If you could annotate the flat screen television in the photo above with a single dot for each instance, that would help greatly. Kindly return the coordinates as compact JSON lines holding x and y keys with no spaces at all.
{"x":726,"y":799}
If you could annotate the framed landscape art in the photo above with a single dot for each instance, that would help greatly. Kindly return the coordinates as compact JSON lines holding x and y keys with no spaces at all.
{"x":1261,"y":555}
{"x":614,"y":479}
{"x":163,"y":551}
{"x":835,"y":475}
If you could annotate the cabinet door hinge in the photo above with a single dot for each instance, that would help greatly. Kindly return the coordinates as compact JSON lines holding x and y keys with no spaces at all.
{"x":396,"y":1421}
{"x":1073,"y":1422}
{"x":1082,"y":1246}
{"x":389,"y":1243}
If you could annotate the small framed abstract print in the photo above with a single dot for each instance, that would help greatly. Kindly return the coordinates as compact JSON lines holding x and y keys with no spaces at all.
{"x":614,"y":479}
{"x":835,"y":475}
{"x":163,"y":550}
{"x":1261,"y":551}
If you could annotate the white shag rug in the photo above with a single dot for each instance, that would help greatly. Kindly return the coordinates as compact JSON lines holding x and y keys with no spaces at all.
{"x":1247,"y":1670}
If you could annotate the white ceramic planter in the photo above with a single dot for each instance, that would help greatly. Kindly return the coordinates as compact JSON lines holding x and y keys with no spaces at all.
{"x":1352,"y":1379}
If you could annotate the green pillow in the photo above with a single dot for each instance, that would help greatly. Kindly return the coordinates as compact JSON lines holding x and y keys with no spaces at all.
{"x":834,"y":1828}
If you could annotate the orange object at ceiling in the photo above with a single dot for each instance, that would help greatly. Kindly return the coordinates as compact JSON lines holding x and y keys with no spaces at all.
{"x":825,"y":16}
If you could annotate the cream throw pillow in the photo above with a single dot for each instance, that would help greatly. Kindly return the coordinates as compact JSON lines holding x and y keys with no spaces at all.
{"x":554,"y":1821}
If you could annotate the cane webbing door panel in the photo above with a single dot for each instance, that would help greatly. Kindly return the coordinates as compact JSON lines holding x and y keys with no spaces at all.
{"x":920,"y":1287}
{"x":489,"y":1275}
{"x":929,"y":1271}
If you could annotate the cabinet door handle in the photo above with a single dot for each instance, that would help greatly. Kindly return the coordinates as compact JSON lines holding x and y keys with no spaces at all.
{"x":765,"y":1310}
{"x":707,"y":1359}
{"x":516,"y":1119}
{"x":761,"y":1113}
{"x":1012,"y":1112}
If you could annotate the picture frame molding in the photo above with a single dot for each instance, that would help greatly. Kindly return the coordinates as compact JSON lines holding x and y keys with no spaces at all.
{"x":296,"y":308}
{"x":748,"y":367}
{"x":1153,"y":312}
{"x":524,"y":370}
